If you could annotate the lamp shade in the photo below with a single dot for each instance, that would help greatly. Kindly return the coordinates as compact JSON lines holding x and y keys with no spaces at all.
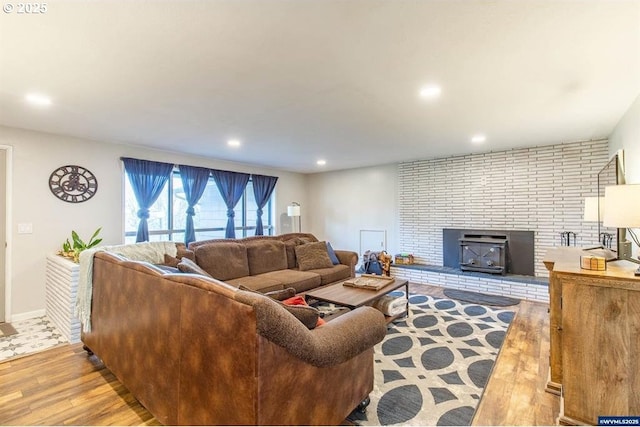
{"x":593,"y":209}
{"x":293,"y":210}
{"x":622,"y":206}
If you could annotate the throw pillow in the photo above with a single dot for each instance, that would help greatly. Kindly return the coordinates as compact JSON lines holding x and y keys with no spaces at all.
{"x":171,"y":261}
{"x":311,"y":256}
{"x":332,"y":254}
{"x":309,"y":316}
{"x":183,"y":252}
{"x":187,"y":266}
{"x":278,"y":295}
{"x":298,"y":302}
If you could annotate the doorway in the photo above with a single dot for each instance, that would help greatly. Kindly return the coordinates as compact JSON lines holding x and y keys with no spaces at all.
{"x":5,"y":174}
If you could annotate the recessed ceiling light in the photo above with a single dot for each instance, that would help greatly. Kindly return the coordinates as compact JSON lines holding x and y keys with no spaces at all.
{"x":233,"y":143}
{"x":478,"y":139}
{"x":430,"y":91}
{"x":38,"y":99}
{"x":321,"y":162}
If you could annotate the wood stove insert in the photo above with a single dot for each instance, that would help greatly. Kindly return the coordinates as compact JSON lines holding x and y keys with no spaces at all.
{"x":518,"y":251}
{"x":484,"y":253}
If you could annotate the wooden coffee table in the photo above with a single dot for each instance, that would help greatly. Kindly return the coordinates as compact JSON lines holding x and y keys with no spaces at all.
{"x":352,"y":298}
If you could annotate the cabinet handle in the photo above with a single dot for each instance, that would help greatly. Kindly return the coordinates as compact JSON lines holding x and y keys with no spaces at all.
{"x":558,"y":328}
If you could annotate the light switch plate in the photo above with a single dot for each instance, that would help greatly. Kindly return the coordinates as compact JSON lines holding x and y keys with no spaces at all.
{"x":25,"y":228}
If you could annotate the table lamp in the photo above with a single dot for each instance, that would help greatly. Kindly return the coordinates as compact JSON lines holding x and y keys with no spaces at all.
{"x":622,"y":210}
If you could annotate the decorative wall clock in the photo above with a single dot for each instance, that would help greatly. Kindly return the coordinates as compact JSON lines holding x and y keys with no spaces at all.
{"x":73,"y":184}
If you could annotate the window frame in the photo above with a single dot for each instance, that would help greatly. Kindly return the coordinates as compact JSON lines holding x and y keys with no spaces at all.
{"x":268,"y":227}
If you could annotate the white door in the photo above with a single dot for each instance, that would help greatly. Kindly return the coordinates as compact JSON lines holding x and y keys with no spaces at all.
{"x":373,"y":240}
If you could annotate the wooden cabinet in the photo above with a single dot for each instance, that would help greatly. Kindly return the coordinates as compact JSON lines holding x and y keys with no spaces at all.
{"x":595,"y":338}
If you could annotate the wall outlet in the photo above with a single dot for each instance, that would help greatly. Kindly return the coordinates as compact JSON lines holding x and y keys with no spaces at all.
{"x":25,"y":228}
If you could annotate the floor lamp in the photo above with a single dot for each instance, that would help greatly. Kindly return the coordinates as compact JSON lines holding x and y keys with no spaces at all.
{"x":293,"y":210}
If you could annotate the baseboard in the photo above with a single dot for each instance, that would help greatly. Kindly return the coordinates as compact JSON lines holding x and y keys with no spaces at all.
{"x":27,"y":315}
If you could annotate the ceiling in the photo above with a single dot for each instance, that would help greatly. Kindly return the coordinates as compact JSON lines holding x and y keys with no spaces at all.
{"x":296,"y":81}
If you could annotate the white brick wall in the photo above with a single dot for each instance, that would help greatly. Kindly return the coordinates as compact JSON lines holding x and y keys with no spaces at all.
{"x":541,"y":189}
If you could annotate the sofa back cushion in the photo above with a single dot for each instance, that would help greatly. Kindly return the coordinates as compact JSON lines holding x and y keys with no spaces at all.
{"x":266,"y":255}
{"x":223,"y":260}
{"x":290,"y":246}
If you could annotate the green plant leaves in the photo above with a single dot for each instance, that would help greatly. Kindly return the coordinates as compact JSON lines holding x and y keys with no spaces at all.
{"x":73,"y":251}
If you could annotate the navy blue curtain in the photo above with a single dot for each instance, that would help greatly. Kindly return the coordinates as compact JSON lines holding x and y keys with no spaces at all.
{"x":194,"y":182}
{"x":263,"y":186}
{"x":147,"y":179}
{"x":231,"y":186}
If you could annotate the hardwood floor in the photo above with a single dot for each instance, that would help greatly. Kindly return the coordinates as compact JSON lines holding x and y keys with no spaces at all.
{"x":515,"y":392}
{"x":63,"y":386}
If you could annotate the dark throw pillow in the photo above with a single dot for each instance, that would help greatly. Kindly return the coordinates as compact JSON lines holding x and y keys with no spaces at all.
{"x":332,"y":254}
{"x":309,"y":316}
{"x":171,"y":261}
{"x":296,"y":305}
{"x":278,"y":295}
{"x":187,"y":266}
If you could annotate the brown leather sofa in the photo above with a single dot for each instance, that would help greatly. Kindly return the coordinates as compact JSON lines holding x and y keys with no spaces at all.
{"x":269,"y":263}
{"x":196,"y":351}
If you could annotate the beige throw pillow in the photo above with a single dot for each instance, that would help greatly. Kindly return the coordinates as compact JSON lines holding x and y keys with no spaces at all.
{"x":311,"y":256}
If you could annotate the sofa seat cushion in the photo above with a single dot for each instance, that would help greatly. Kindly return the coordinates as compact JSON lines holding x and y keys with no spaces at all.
{"x":223,"y":260}
{"x":266,"y":255}
{"x":257,"y":283}
{"x":299,"y":280}
{"x":333,"y":274}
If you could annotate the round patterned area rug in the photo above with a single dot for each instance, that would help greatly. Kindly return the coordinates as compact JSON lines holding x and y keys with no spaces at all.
{"x":432,"y":367}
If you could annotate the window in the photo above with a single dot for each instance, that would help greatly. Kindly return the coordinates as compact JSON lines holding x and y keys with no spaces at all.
{"x":167,"y":216}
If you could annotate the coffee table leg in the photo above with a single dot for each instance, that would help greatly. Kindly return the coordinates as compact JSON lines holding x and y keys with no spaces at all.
{"x":406,"y":292}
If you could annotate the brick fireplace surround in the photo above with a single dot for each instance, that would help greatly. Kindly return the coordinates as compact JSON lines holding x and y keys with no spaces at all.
{"x":541,"y":189}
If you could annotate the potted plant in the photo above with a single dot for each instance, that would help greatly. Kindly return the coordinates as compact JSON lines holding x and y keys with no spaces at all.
{"x":72,"y":250}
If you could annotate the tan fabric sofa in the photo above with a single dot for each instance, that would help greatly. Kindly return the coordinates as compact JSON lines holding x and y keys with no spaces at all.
{"x":268,"y":263}
{"x":197,"y":351}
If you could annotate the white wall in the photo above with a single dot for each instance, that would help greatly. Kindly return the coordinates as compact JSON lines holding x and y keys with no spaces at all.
{"x":344,"y":202}
{"x":626,"y":136}
{"x":36,"y":155}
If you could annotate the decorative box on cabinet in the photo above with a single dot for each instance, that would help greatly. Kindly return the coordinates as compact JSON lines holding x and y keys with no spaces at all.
{"x":597,"y":320}
{"x":61,"y":290}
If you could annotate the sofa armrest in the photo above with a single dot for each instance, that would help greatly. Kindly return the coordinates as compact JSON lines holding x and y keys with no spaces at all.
{"x":349,"y":258}
{"x":328,"y":345}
